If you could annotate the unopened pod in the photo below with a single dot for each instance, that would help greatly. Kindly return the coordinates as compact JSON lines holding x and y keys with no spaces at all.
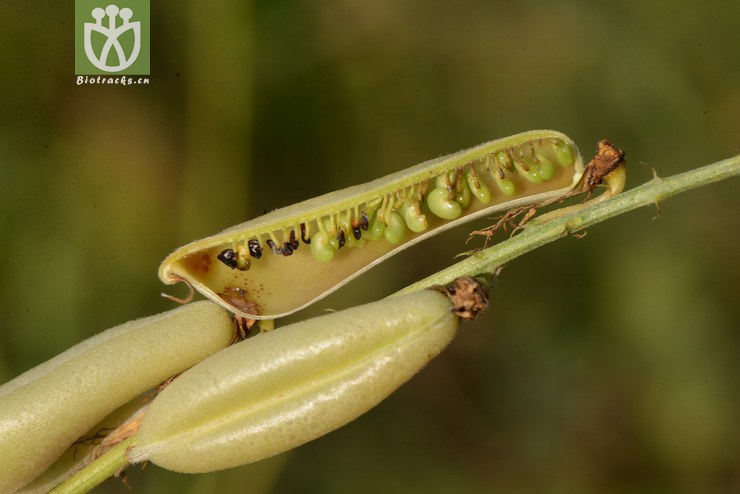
{"x":43,"y":411}
{"x":278,"y":390}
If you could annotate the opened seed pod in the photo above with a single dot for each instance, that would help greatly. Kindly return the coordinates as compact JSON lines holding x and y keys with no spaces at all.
{"x":291,"y":257}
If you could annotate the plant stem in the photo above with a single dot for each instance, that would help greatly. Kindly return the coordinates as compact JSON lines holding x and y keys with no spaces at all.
{"x":652,"y":192}
{"x":111,"y":463}
{"x":484,"y":261}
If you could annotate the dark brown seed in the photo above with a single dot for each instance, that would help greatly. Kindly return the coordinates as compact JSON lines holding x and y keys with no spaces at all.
{"x":286,"y":249}
{"x":272,"y":246}
{"x":255,"y":250}
{"x":356,"y":232}
{"x":294,"y":244}
{"x":228,"y":257}
{"x":340,"y":238}
{"x":303,"y":234}
{"x":364,"y":222}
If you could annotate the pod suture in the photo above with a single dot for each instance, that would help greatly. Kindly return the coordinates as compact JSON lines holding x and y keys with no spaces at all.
{"x":351,"y":230}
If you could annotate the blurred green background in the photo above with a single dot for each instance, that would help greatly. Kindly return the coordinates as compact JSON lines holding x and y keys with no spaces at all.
{"x":607,"y":364}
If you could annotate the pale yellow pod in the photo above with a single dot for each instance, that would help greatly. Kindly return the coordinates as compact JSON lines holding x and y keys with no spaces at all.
{"x":278,"y":390}
{"x":79,"y":453}
{"x":49,"y":407}
{"x":291,"y":257}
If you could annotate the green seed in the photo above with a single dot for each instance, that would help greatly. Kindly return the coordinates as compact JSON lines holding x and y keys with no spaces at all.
{"x":349,"y":238}
{"x":242,"y":258}
{"x":459,"y":187}
{"x":505,"y":185}
{"x":563,"y":153}
{"x":503,"y":159}
{"x":442,"y":205}
{"x":321,"y":248}
{"x":396,"y":229}
{"x":415,"y":220}
{"x":480,"y":190}
{"x":463,"y":194}
{"x":532,"y":175}
{"x":546,"y":168}
{"x":441,"y":182}
{"x":377,"y":228}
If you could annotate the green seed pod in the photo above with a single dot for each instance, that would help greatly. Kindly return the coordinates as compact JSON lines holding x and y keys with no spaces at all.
{"x":81,"y":452}
{"x":43,"y":411}
{"x":272,"y":243}
{"x":442,"y":205}
{"x":278,"y":390}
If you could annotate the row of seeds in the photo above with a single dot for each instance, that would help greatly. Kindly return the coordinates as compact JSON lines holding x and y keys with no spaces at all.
{"x":392,"y":215}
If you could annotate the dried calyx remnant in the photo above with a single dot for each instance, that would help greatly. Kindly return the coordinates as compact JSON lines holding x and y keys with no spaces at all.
{"x":469,"y":296}
{"x":608,"y":158}
{"x":237,"y":297}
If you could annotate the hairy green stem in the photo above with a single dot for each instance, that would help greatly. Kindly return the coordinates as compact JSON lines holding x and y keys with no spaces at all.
{"x":484,"y":261}
{"x":107,"y":465}
{"x":652,"y":192}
